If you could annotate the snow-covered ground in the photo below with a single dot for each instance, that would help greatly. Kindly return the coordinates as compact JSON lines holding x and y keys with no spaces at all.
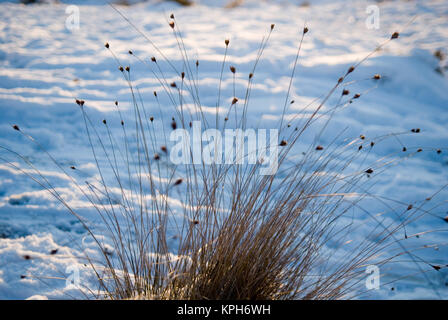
{"x":44,"y":64}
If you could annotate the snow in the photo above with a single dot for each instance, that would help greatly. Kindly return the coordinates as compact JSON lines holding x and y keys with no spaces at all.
{"x":44,"y":66}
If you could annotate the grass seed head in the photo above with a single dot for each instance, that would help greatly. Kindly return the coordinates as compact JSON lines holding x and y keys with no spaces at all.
{"x":16,"y":127}
{"x":153,"y":59}
{"x":178,"y":181}
{"x":171,"y":24}
{"x":283,"y":143}
{"x":439,"y":151}
{"x":369,"y":171}
{"x":232,"y":69}
{"x":227,"y":41}
{"x":305,"y":30}
{"x":395,"y":35}
{"x":164,"y":149}
{"x":106,"y":45}
{"x":235,"y":100}
{"x":345,"y":92}
{"x":319,"y":148}
{"x":376,"y":77}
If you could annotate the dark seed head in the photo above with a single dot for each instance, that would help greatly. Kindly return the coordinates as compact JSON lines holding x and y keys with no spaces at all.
{"x":251,"y":75}
{"x":16,"y":127}
{"x":372,"y":144}
{"x":446,"y":219}
{"x":235,"y":100}
{"x":155,"y":93}
{"x":197,"y":63}
{"x":104,"y":121}
{"x":305,"y":30}
{"x":151,"y":119}
{"x":319,"y":148}
{"x":419,"y":150}
{"x":174,"y":125}
{"x":437,"y":268}
{"x":369,"y":171}
{"x":171,"y":24}
{"x":404,"y":149}
{"x":227,"y":41}
{"x":195,"y":222}
{"x":173,"y":85}
{"x":410,"y":207}
{"x":345,"y":92}
{"x":26,"y":257}
{"x":272,"y":26}
{"x":351,"y":69}
{"x":178,"y":182}
{"x":232,"y":69}
{"x":283,"y":143}
{"x":116,"y":103}
{"x":73,"y":167}
{"x":122,"y":122}
{"x":22,"y":277}
{"x":164,"y":149}
{"x":182,"y":75}
{"x":377,"y":77}
{"x":121,"y":69}
{"x":356,"y":96}
{"x":130,"y":52}
{"x":172,"y":16}
{"x":340,"y":79}
{"x":395,"y":35}
{"x":106,"y":45}
{"x":156,"y":156}
{"x":153,"y":59}
{"x":360,"y":147}
{"x":439,"y":151}
{"x":128,"y":68}
{"x":362,"y":137}
{"x":54,"y":251}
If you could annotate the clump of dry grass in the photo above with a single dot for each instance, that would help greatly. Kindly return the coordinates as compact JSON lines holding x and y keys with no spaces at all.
{"x":239,"y":235}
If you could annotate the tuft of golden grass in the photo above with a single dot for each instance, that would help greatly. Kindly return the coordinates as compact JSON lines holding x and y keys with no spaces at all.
{"x":240,"y":235}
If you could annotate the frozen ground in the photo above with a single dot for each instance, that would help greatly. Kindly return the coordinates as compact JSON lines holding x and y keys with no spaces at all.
{"x":44,"y":65}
